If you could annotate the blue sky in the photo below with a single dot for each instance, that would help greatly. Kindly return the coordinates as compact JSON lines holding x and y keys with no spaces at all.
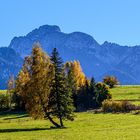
{"x":112,"y":20}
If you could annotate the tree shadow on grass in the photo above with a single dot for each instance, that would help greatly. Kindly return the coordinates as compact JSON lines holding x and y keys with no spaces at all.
{"x":11,"y":112}
{"x":21,"y":130}
{"x":27,"y":129}
{"x":16,"y":117}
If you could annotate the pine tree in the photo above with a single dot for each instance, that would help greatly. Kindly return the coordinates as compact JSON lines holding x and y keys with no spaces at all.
{"x":92,"y":93}
{"x":87,"y":95}
{"x":83,"y":97}
{"x":60,"y":101}
{"x":71,"y":81}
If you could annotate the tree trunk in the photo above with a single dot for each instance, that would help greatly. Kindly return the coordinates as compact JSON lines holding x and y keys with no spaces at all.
{"x":53,"y":122}
{"x":48,"y":116}
{"x":61,"y":121}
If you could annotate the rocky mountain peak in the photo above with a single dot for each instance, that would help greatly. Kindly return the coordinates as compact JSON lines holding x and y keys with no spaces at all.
{"x":43,"y":30}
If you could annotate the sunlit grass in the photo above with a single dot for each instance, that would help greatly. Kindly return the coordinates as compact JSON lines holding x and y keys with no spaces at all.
{"x":3,"y":91}
{"x":86,"y":126}
{"x":131,"y":93}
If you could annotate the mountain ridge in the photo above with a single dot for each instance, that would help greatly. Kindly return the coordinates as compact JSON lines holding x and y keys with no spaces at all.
{"x":96,"y":59}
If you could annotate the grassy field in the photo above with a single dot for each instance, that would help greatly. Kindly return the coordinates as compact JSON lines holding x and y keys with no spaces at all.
{"x":3,"y":91}
{"x":87,"y":126}
{"x":130,"y":93}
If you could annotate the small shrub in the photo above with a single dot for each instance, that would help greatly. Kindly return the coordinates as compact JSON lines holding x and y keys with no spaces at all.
{"x":117,"y":106}
{"x":111,"y":81}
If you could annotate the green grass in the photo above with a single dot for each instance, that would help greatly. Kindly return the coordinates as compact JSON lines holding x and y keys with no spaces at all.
{"x":131,"y":93}
{"x":3,"y":91}
{"x":87,"y":126}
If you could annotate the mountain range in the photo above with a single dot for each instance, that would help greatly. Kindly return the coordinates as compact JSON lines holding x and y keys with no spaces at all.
{"x":97,"y":60}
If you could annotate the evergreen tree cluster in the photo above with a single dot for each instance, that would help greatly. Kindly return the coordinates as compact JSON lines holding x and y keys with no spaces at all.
{"x":87,"y":94}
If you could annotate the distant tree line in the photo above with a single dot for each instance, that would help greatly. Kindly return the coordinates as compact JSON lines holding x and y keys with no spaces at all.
{"x":48,"y":88}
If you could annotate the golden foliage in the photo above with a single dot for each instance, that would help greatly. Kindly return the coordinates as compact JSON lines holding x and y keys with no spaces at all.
{"x":77,"y":73}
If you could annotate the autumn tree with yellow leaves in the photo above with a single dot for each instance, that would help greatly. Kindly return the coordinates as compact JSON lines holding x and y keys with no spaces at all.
{"x":41,"y":85}
{"x":76,"y":78}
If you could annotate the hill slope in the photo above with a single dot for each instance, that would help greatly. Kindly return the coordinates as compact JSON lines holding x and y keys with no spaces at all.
{"x":10,"y":64}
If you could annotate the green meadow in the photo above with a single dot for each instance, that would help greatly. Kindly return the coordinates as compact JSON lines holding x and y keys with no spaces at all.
{"x":3,"y":91}
{"x":87,"y":125}
{"x":130,"y":93}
